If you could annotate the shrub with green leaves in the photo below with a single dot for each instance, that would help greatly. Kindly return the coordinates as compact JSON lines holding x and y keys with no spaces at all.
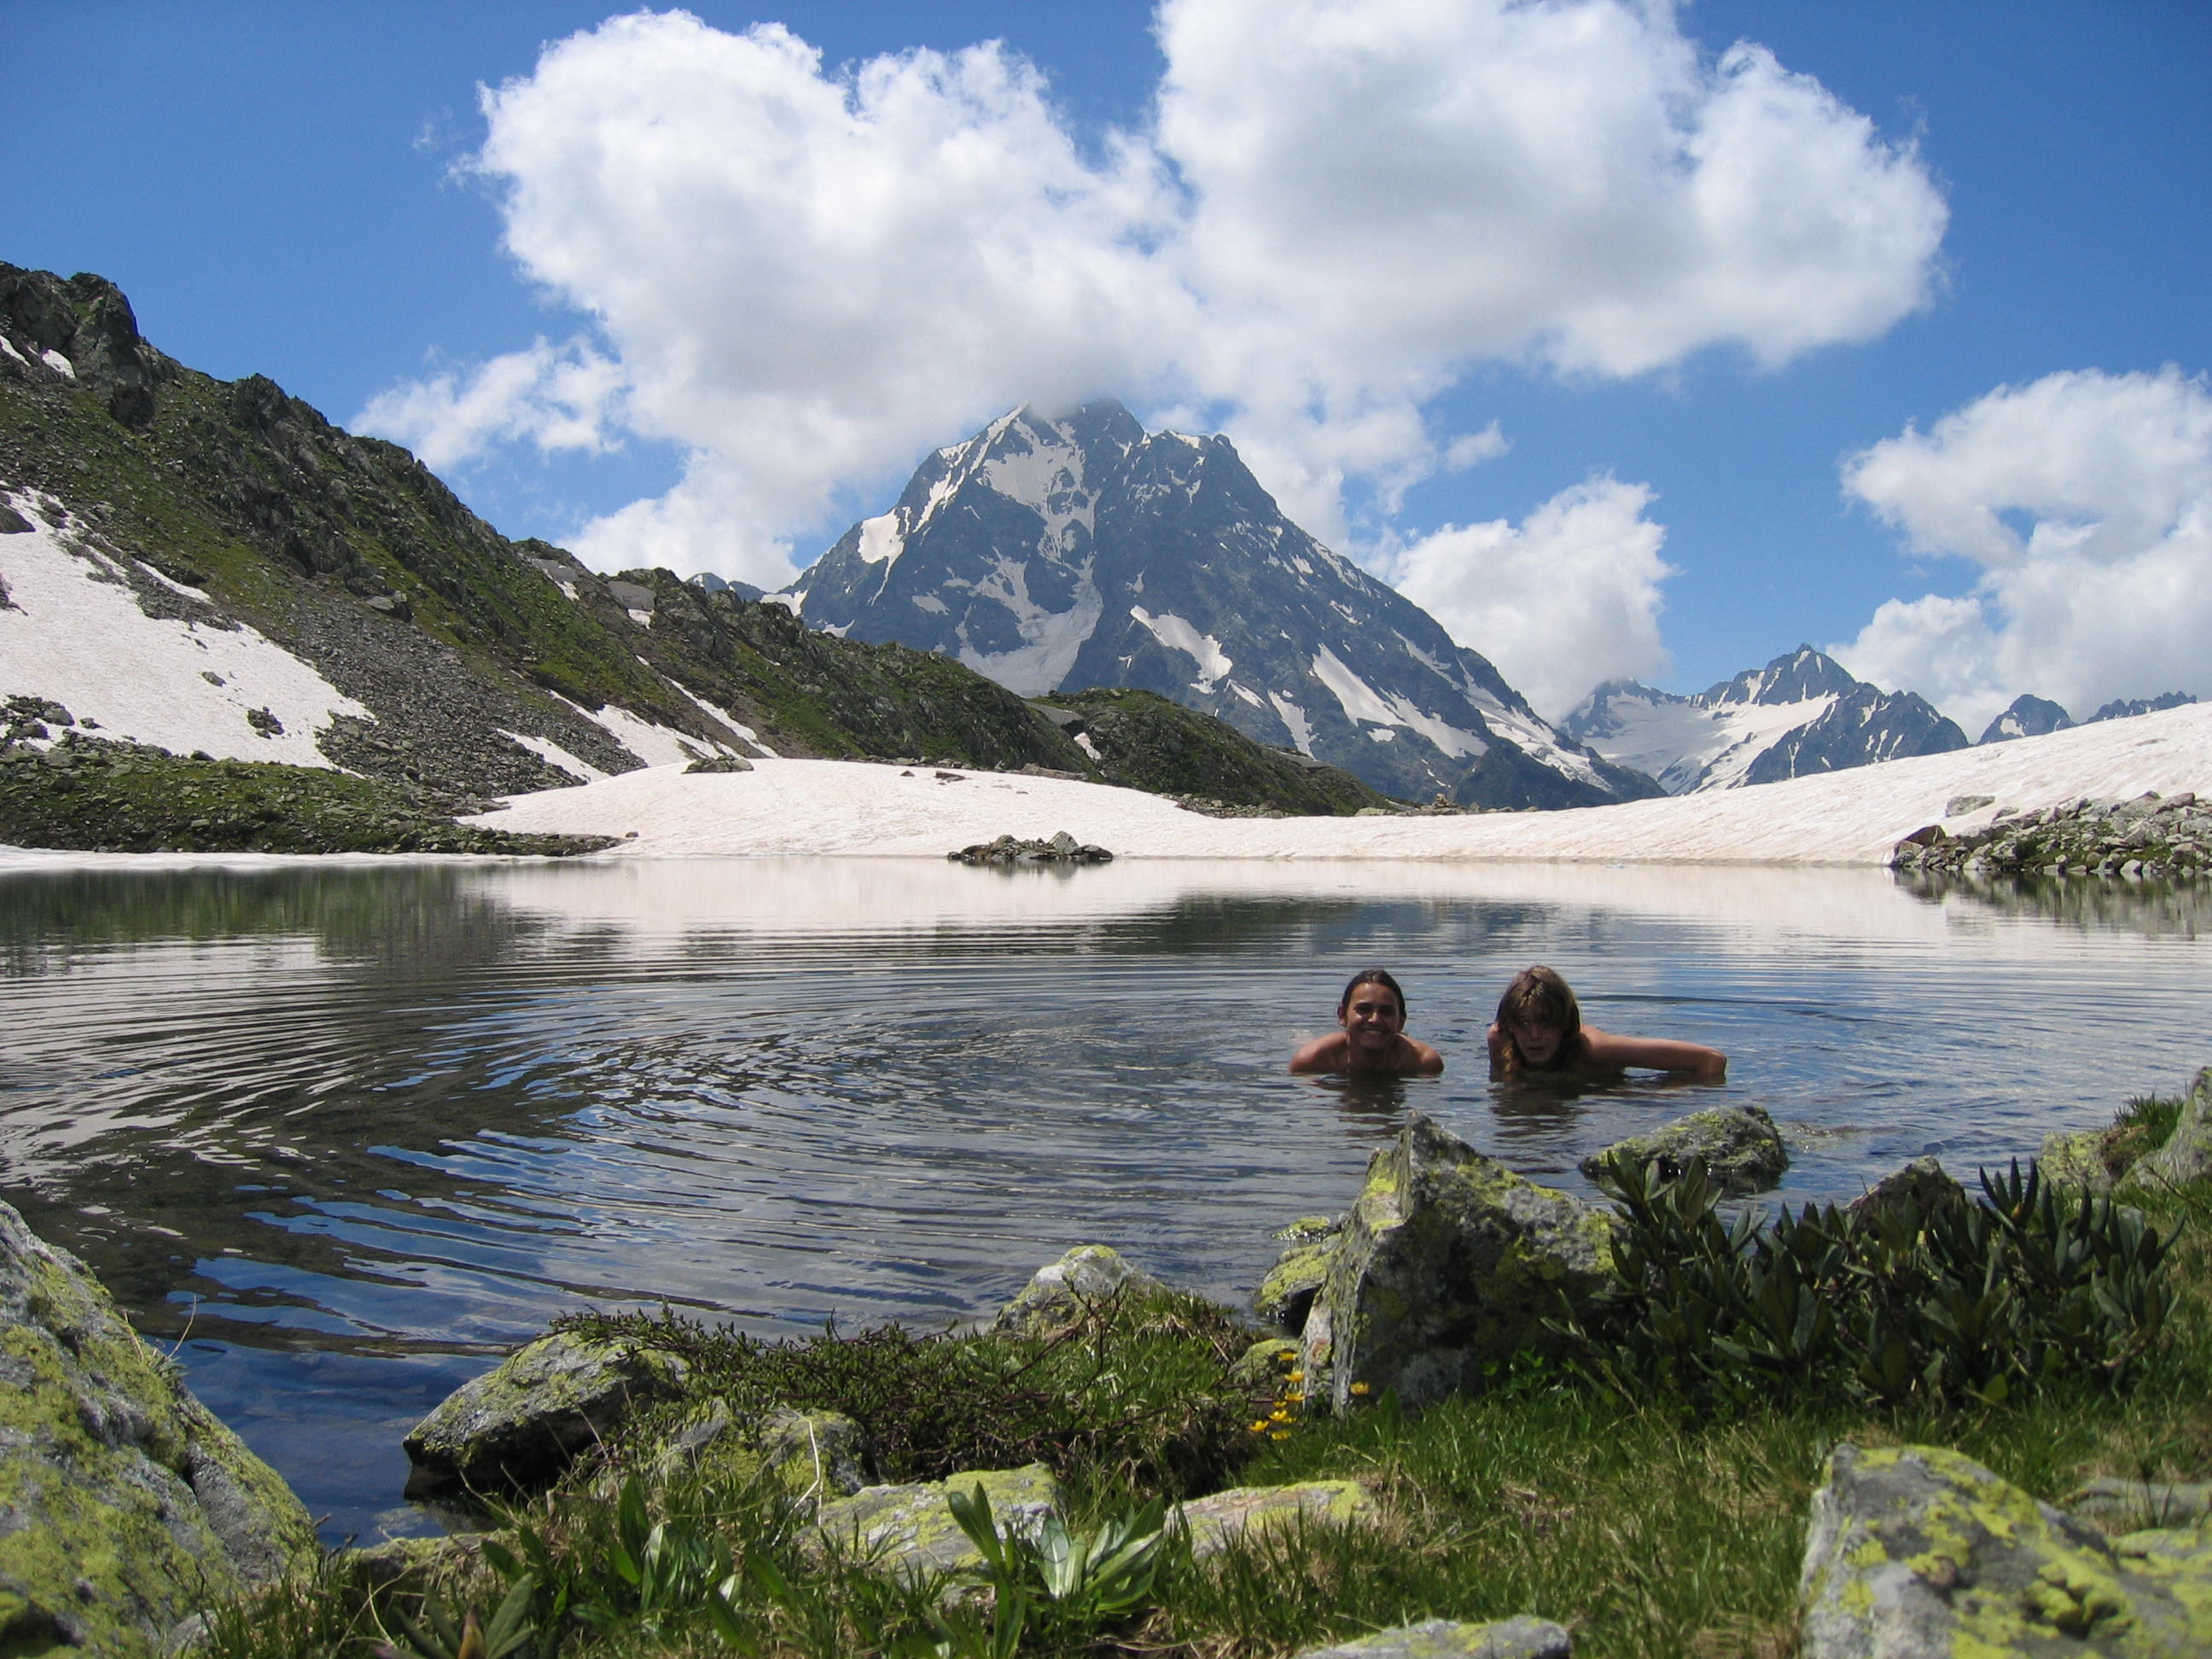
{"x":1920,"y":1302}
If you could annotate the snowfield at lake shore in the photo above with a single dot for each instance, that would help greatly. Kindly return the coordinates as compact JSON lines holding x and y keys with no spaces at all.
{"x":784,"y":807}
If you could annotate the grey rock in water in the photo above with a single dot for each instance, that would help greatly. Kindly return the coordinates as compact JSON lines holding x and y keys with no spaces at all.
{"x":1741,"y":1148}
{"x":1921,"y":1187}
{"x":1917,"y":1551}
{"x":1445,"y":1639}
{"x":2187,"y":1154}
{"x":1451,"y":1262}
{"x":520,"y":1425}
{"x":2146,"y":838}
{"x":1062,"y":1291}
{"x":125,"y":1506}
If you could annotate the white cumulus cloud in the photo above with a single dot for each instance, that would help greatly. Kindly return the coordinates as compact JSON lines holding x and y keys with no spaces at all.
{"x":2085,"y":499}
{"x":806,"y":276}
{"x":1561,"y":602}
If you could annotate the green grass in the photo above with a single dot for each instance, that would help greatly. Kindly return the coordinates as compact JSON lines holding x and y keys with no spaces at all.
{"x":1654,"y":1527}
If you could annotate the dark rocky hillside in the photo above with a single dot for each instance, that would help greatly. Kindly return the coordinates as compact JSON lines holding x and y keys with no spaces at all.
{"x":1143,"y":740}
{"x":222,"y":503}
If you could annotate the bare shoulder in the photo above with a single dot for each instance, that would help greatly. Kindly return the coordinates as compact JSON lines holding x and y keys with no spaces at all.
{"x":1420,"y":1059}
{"x":1323,"y":1053}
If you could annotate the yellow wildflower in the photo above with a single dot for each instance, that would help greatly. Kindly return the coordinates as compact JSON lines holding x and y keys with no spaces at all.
{"x":1359,"y":1387}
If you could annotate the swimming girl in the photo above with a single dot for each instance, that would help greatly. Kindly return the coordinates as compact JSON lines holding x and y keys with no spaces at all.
{"x":1373,"y":1042}
{"x":1539,"y":1029}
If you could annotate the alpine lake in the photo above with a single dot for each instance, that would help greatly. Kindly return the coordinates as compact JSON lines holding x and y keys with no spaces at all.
{"x":339,"y":1134}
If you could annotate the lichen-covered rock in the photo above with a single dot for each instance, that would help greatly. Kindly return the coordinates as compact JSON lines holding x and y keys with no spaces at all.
{"x":124,"y":1505}
{"x":1269,"y":1360}
{"x":522,"y":1423}
{"x":2082,"y":1159}
{"x":1451,"y":1262}
{"x":1445,"y":1639}
{"x":2187,"y":1154}
{"x":1062,"y":1291}
{"x":910,"y":1531}
{"x":816,"y":1456}
{"x":1918,"y":1551}
{"x":1286,"y":1294}
{"x":1742,"y":1149}
{"x":2119,"y":1505}
{"x":1215,"y":1522}
{"x":1921,"y":1187}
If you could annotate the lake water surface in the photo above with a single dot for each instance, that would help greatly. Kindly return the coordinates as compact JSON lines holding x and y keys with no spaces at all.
{"x":338,"y":1135}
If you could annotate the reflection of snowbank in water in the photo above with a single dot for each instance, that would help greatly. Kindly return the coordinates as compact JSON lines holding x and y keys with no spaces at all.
{"x":786,"y":807}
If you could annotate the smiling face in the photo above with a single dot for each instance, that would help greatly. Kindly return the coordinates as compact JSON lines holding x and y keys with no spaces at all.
{"x":1372,"y":1019}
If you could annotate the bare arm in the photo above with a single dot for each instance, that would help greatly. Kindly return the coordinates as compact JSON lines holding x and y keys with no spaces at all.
{"x":1654,"y":1054}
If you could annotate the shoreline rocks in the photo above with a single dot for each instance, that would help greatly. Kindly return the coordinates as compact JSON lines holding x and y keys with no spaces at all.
{"x":1740,"y":1146}
{"x":1451,"y":1261}
{"x":2149,"y":838}
{"x":125,"y":1505}
{"x":1061,"y":848}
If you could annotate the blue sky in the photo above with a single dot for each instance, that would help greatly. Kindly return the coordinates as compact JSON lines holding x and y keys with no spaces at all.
{"x":286,"y":190}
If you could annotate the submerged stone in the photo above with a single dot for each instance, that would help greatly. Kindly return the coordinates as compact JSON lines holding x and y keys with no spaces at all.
{"x":1063,"y":1291}
{"x":909,"y":1530}
{"x":1445,"y":1639}
{"x":125,"y":1506}
{"x":1450,"y":1263}
{"x":1921,"y":1188}
{"x":1741,"y":1148}
{"x":1216,"y":1520}
{"x":520,"y":1425}
{"x":1915,"y":1551}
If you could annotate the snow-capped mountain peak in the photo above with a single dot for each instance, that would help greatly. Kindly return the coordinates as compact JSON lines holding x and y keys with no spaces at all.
{"x":1055,"y":552}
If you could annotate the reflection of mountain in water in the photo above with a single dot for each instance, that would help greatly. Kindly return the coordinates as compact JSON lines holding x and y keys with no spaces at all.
{"x":2152,"y":909}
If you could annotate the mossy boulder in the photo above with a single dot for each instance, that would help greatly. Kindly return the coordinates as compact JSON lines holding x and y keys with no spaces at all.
{"x":518,"y":1426}
{"x":1448,"y":1638}
{"x":1215,"y":1522}
{"x":2187,"y":1155}
{"x":908,"y":1530}
{"x":1740,"y":1146}
{"x":814,"y":1456}
{"x":1919,"y":1550}
{"x":1919,"y":1189}
{"x":1286,"y":1293}
{"x":1063,"y":1291}
{"x":2083,"y":1159}
{"x":125,"y":1506}
{"x":1450,"y":1263}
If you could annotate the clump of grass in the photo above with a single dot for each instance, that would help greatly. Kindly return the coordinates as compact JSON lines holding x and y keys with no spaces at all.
{"x":1132,"y":1396}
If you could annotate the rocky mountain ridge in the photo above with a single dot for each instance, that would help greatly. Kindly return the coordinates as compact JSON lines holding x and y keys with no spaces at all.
{"x":208,"y":566}
{"x":2031,"y":716}
{"x":1063,"y":553}
{"x":1802,"y":713}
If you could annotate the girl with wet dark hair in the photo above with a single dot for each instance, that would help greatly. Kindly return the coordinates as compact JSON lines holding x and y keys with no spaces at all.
{"x":1539,"y":1029}
{"x":1373,"y":1040}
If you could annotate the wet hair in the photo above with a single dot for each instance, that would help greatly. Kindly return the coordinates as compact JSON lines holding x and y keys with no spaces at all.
{"x":1371,"y":977}
{"x":1538,"y":996}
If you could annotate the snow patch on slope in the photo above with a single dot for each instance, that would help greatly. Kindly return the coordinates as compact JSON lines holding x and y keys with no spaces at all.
{"x":881,"y":539}
{"x":1050,"y":639}
{"x":73,"y":632}
{"x":1173,"y":632}
{"x":1362,"y":703}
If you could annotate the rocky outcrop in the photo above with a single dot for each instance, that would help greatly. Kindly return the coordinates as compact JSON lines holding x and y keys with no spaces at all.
{"x":2187,"y":1155}
{"x":1062,"y":848}
{"x":909,"y":1530}
{"x":1213,"y":1524}
{"x":1065,"y":1291}
{"x":1445,"y":1638}
{"x":814,"y":1456}
{"x":1286,"y":1295}
{"x":1451,"y":1262}
{"x":1919,"y":1189}
{"x":124,"y":1505}
{"x":520,"y":1425}
{"x":1917,"y":1552}
{"x":2150,"y":836}
{"x":1739,"y":1146}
